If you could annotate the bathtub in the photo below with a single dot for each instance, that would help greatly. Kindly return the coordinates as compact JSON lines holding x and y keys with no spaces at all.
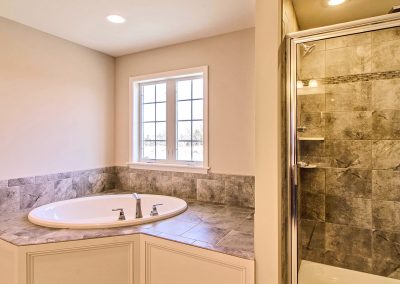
{"x":97,"y":211}
{"x":317,"y":273}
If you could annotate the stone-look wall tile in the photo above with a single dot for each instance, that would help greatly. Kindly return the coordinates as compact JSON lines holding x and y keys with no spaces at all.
{"x":349,"y":96}
{"x":9,"y":199}
{"x":143,"y":182}
{"x":211,"y":190}
{"x":63,"y":190}
{"x":354,"y":183}
{"x":239,"y":191}
{"x":315,"y":255}
{"x":314,"y":124}
{"x":34,"y":195}
{"x":386,"y":185}
{"x":311,"y":103}
{"x":386,"y":215}
{"x":386,"y":35}
{"x":312,"y":65}
{"x":312,"y":148}
{"x":348,"y":61}
{"x":21,"y":181}
{"x":348,"y":240}
{"x":312,"y":181}
{"x":348,"y":261}
{"x":219,"y":188}
{"x":385,"y":56}
{"x":312,"y":234}
{"x":80,"y":185}
{"x":348,"y":125}
{"x":349,"y":40}
{"x":385,"y":94}
{"x":101,"y":182}
{"x":386,"y":124}
{"x":349,"y":153}
{"x":349,"y":211}
{"x":386,"y":154}
{"x":183,"y":187}
{"x":123,"y":179}
{"x":52,"y":177}
{"x":312,"y":206}
{"x":386,"y":260}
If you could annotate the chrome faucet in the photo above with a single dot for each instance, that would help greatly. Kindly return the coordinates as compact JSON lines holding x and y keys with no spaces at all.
{"x":154,"y":211}
{"x":138,"y":205}
{"x":121,"y":216}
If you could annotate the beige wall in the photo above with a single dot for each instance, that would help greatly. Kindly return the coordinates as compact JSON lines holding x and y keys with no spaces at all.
{"x":268,"y":142}
{"x":231,"y":95}
{"x":56,"y":104}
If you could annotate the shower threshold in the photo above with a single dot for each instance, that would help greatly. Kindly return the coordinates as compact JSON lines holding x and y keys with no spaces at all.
{"x":317,"y":273}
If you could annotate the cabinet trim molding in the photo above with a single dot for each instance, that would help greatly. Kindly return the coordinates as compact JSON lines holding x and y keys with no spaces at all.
{"x":151,"y":245}
{"x":30,"y":257}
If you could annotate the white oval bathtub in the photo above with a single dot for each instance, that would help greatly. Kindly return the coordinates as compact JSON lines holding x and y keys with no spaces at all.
{"x":96,"y":211}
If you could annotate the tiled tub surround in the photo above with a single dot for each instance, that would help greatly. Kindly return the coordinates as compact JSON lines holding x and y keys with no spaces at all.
{"x":350,"y":203}
{"x":211,"y":226}
{"x":233,"y":190}
{"x":30,"y":192}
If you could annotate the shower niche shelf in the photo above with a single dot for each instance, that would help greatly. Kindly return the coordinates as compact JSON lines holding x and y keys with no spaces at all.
{"x":311,"y":138}
{"x":304,"y":165}
{"x":310,"y":91}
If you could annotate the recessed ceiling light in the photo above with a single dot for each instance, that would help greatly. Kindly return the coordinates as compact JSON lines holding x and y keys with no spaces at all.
{"x":116,"y":19}
{"x":335,"y":2}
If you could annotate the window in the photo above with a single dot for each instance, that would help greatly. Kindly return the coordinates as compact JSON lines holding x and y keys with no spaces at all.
{"x":169,"y":120}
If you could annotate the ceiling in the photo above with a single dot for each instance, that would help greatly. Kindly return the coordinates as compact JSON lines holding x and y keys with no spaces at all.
{"x":316,"y":13}
{"x":149,"y":23}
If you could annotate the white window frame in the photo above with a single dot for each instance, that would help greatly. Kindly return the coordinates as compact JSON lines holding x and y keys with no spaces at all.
{"x":134,"y":122}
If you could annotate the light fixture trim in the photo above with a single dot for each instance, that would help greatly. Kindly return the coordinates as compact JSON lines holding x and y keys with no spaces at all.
{"x":116,"y":19}
{"x":335,"y":2}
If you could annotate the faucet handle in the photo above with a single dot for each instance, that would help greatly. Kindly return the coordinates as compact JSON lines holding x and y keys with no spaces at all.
{"x":136,"y":196}
{"x":154,"y":211}
{"x":121,"y":213}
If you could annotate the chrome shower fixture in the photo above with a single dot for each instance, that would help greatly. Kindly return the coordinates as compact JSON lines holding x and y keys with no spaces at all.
{"x":307,"y":48}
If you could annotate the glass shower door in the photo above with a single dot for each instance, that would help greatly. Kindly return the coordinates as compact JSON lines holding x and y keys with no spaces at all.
{"x":348,"y":158}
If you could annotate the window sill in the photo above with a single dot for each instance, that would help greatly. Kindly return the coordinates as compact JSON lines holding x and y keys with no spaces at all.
{"x":169,"y":167}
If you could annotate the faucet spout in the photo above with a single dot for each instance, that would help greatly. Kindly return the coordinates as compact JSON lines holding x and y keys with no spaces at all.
{"x":138,"y":205}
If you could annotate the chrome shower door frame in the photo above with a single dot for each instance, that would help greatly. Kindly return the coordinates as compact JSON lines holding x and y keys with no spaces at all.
{"x":292,"y":40}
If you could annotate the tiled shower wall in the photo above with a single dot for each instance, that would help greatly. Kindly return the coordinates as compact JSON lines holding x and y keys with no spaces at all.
{"x":350,"y":203}
{"x":30,"y":192}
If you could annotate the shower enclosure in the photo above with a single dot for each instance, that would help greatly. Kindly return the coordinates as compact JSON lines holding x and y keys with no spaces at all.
{"x":343,"y":128}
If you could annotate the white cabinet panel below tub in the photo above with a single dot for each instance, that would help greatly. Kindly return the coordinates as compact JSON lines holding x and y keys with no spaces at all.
{"x":99,"y":264}
{"x":171,"y":263}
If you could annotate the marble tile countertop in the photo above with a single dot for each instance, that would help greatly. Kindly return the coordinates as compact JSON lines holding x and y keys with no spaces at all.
{"x":215,"y":227}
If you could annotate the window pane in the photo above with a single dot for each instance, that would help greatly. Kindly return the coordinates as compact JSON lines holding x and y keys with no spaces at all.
{"x":149,"y":131}
{"x":197,"y":130}
{"x":148,"y":93}
{"x":161,"y":109}
{"x":161,"y":150}
{"x":198,"y":89}
{"x":184,"y":110}
{"x":184,"y":130}
{"x":197,"y":109}
{"x":161,"y":92}
{"x":184,"y":90}
{"x":161,"y":131}
{"x":184,"y":151}
{"x":149,"y":150}
{"x":149,"y":112}
{"x":197,"y":151}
